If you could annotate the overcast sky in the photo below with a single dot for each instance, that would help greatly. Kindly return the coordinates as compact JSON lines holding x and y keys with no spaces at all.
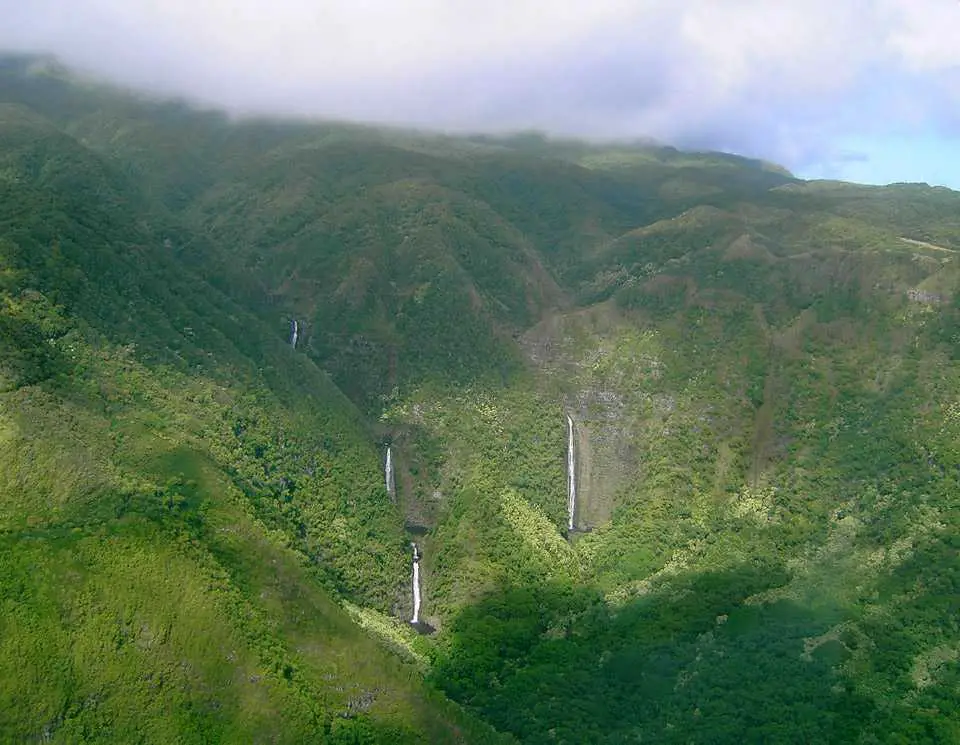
{"x":860,"y":89}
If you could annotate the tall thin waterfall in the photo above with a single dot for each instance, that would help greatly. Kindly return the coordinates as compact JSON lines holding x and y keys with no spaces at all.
{"x":571,"y":475}
{"x":416,"y":584}
{"x":294,"y":333}
{"x":388,"y":474}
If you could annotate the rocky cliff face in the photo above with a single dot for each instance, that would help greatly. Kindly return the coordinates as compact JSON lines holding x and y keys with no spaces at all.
{"x":579,"y":354}
{"x":606,"y":461}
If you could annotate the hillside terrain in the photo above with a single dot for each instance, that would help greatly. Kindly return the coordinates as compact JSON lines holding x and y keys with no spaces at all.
{"x":758,"y":377}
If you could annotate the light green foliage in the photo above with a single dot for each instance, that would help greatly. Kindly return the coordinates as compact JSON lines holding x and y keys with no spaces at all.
{"x":196,"y":543}
{"x":541,"y":543}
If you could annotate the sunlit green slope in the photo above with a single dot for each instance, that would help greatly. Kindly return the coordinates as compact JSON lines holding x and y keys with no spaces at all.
{"x":761,"y":372}
{"x":181,"y":493}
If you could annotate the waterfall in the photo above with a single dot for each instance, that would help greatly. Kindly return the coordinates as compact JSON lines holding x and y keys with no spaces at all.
{"x":416,"y":585}
{"x":294,"y":333}
{"x":571,"y":475}
{"x":388,"y":474}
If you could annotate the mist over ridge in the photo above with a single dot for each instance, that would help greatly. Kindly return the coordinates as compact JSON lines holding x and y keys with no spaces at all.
{"x":823,"y":88}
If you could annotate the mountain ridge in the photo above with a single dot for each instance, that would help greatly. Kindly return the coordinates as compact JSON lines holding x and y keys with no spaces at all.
{"x":760,"y":372}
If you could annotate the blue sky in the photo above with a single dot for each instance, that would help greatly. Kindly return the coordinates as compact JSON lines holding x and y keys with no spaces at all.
{"x":916,"y":156}
{"x":867,"y":90}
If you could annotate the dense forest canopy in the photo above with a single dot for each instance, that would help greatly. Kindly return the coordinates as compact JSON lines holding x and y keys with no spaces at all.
{"x":750,"y":381}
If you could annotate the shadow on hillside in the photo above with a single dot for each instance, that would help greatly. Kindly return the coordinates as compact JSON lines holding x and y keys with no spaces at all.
{"x":689,"y":663}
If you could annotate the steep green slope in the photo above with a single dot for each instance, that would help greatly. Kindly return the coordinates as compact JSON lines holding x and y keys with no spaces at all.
{"x":180,"y":492}
{"x":143,"y":597}
{"x":761,"y":373}
{"x":93,"y":248}
{"x":768,"y":463}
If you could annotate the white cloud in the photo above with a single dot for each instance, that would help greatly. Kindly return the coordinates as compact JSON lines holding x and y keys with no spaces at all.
{"x":926,"y":35}
{"x":783,"y":79}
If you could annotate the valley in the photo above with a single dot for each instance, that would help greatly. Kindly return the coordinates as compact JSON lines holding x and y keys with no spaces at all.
{"x":323,"y":432}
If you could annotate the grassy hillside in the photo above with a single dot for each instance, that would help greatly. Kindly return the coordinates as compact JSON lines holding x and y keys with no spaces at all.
{"x":762,"y":374}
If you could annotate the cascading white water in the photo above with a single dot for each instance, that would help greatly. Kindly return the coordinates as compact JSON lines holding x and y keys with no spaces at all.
{"x":294,"y":333}
{"x":571,"y":475}
{"x":388,"y":473}
{"x":416,"y":584}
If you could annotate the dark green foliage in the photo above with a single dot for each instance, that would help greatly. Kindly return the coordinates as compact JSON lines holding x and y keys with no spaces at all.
{"x":763,"y":374}
{"x":551,"y":665}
